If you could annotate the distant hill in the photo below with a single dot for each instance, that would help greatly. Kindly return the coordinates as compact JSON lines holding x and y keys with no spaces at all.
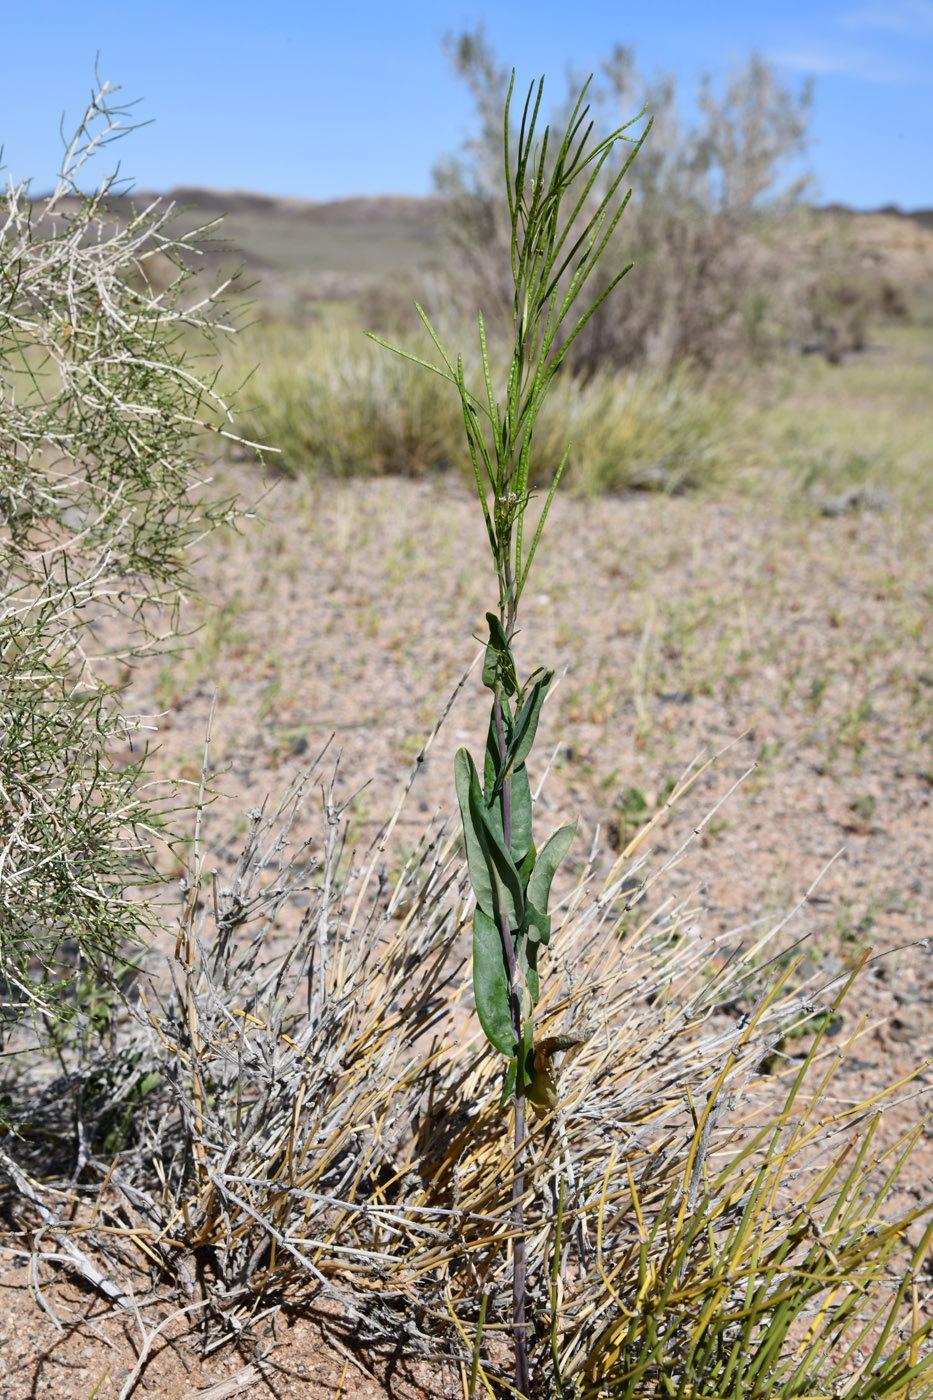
{"x":365,"y":235}
{"x":337,"y":248}
{"x":377,"y":234}
{"x":895,"y":242}
{"x":923,"y":217}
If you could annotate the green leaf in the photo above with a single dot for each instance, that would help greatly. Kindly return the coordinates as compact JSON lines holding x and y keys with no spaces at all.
{"x":493,"y":873}
{"x":529,"y":972}
{"x":508,"y":1081}
{"x":521,"y":817}
{"x":539,"y":924}
{"x":490,"y":668}
{"x":491,"y":983}
{"x":507,"y":885}
{"x":477,"y":860}
{"x":527,"y":865}
{"x":497,"y":637}
{"x":527,"y":1056}
{"x":519,"y":736}
{"x":498,"y":664}
{"x":526,"y":722}
{"x":521,"y":790}
{"x":492,"y":764}
{"x":549,"y":858}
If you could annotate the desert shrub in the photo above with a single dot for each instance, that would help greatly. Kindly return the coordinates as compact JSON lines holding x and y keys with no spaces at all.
{"x":842,"y":292}
{"x":102,"y":496}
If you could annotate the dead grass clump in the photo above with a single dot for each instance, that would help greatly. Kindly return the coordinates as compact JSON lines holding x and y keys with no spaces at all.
{"x":313,"y":1107}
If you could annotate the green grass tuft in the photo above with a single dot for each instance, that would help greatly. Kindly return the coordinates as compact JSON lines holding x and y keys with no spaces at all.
{"x":338,"y":405}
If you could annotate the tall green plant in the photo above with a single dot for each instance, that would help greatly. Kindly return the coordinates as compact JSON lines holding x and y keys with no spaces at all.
{"x":564,"y":206}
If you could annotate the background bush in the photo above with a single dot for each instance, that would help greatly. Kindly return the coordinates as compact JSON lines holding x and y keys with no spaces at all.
{"x":727,"y":255}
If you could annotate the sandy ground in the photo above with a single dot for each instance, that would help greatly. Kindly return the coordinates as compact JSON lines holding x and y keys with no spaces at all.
{"x":795,"y":642}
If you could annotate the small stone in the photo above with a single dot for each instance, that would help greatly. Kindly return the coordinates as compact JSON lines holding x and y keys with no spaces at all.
{"x":856,"y":499}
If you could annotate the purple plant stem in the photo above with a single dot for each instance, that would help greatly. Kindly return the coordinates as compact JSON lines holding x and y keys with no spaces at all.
{"x":519,"y":1328}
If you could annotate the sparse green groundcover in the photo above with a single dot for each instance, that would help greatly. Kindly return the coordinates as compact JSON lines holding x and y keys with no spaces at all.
{"x":851,"y":436}
{"x":334,"y":406}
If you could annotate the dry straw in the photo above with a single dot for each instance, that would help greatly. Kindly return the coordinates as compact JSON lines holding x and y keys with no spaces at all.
{"x":321,"y":1120}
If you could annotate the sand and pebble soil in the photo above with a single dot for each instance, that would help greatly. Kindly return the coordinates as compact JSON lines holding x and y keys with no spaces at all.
{"x":792,"y":642}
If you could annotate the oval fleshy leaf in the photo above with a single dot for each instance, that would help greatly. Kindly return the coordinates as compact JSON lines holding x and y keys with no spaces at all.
{"x":542,"y":1091}
{"x":526,"y":721}
{"x":493,"y":874}
{"x":491,"y":756}
{"x":539,"y":925}
{"x":521,"y":790}
{"x":521,"y":815}
{"x":508,"y":893}
{"x":527,"y":865}
{"x":477,"y":859}
{"x":519,"y":736}
{"x":548,"y":859}
{"x":491,"y":984}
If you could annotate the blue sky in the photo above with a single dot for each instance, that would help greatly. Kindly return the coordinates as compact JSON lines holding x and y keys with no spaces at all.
{"x":326,"y":99}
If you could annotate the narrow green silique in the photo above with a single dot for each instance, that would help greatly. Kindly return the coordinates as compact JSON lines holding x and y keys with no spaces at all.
{"x":564,"y":202}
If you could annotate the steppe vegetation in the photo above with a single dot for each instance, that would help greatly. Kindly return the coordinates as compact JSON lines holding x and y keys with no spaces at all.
{"x":275,"y":1100}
